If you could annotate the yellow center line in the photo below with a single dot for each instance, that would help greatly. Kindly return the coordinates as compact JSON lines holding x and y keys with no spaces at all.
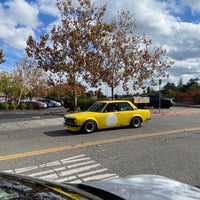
{"x":93,"y":143}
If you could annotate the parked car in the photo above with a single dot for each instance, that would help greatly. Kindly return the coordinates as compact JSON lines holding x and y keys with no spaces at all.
{"x":164,"y":102}
{"x":106,"y":114}
{"x":145,"y":187}
{"x":47,"y":102}
{"x":56,"y":103}
{"x":34,"y":104}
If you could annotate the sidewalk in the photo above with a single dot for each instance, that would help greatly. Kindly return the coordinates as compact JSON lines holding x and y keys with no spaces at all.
{"x":175,"y":110}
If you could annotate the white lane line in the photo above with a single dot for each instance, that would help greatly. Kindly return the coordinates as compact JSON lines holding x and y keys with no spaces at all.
{"x":78,"y":170}
{"x":49,"y":177}
{"x":54,"y":163}
{"x":92,"y":172}
{"x":74,"y":169}
{"x":77,"y":160}
{"x":81,"y":164}
{"x":60,"y":169}
{"x":71,"y":158}
{"x":25,"y":169}
{"x":97,"y":177}
{"x":41,"y":173}
{"x":66,"y":179}
{"x":76,"y":181}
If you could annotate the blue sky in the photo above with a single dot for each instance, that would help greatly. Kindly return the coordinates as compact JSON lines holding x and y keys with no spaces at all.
{"x":173,"y":24}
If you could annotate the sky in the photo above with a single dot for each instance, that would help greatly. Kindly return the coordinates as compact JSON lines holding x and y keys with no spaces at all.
{"x":172,"y":24}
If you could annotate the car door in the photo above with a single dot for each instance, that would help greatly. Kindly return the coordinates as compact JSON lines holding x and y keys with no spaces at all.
{"x":110,"y":117}
{"x":126,"y":113}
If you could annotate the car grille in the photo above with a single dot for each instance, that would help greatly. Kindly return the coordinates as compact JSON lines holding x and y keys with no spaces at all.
{"x":70,"y":120}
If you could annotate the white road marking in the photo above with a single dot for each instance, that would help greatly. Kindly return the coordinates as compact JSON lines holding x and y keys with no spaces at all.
{"x":72,"y":158}
{"x":102,"y":176}
{"x":68,"y":179}
{"x":81,"y":164}
{"x":78,"y":170}
{"x":75,"y":169}
{"x":77,"y":160}
{"x":21,"y":170}
{"x":41,"y":173}
{"x":92,"y":172}
{"x":50,"y":177}
{"x":50,"y":164}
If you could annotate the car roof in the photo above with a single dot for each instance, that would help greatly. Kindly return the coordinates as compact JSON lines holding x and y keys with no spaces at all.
{"x":113,"y":101}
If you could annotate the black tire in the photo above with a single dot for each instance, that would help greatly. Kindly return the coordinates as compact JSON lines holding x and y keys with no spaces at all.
{"x":89,"y":126}
{"x":136,"y":122}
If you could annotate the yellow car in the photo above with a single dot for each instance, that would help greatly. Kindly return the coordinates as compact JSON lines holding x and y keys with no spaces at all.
{"x":106,"y":114}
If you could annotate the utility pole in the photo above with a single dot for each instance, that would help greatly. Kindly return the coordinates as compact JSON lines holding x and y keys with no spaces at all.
{"x":160,"y":82}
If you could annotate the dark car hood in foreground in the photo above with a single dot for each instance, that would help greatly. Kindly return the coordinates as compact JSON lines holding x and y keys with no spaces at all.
{"x":138,"y":187}
{"x":147,"y":187}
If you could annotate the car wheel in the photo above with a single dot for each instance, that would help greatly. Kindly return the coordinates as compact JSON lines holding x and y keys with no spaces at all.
{"x":89,"y":126}
{"x":136,"y":122}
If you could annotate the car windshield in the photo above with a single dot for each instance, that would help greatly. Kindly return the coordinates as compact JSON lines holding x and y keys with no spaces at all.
{"x":97,"y":107}
{"x":11,"y":188}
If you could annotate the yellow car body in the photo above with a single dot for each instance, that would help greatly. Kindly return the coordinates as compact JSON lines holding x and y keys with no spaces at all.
{"x":106,"y":114}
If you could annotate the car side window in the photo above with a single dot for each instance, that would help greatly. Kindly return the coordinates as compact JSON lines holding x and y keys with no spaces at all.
{"x":111,"y":107}
{"x":124,"y":106}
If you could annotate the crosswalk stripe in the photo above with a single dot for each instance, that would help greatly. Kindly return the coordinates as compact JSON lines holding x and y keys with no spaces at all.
{"x":81,"y":164}
{"x":75,"y":169}
{"x":41,"y":173}
{"x":97,"y":177}
{"x":78,"y":170}
{"x":92,"y":172}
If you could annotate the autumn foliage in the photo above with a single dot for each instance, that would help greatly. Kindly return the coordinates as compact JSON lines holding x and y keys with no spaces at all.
{"x":83,"y":47}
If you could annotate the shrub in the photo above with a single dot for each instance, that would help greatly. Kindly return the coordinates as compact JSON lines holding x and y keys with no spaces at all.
{"x":5,"y":106}
{"x":22,"y":106}
{"x":13,"y":106}
{"x":68,"y":103}
{"x":82,"y":103}
{"x":30,"y":106}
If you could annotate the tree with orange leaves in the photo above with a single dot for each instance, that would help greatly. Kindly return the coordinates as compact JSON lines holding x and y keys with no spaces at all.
{"x":84,"y":47}
{"x":74,"y":46}
{"x":129,"y":58}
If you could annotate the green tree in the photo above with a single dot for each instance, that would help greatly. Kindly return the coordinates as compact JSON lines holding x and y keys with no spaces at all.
{"x":27,"y":78}
{"x":6,"y":86}
{"x":180,"y":84}
{"x":169,"y":90}
{"x":192,"y":84}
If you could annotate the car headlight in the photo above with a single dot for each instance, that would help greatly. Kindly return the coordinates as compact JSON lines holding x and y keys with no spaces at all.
{"x":70,"y":120}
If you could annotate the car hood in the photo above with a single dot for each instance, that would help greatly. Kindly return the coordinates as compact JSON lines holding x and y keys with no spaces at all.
{"x":147,"y":187}
{"x":82,"y":114}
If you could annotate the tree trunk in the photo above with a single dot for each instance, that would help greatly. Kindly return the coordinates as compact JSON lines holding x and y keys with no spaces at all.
{"x":75,"y":98}
{"x":112,"y":92}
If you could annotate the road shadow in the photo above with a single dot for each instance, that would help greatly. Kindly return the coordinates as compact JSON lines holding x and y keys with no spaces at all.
{"x":59,"y":133}
{"x":64,"y":132}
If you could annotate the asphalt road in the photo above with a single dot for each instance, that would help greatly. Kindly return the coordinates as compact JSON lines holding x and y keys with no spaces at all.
{"x":39,"y":146}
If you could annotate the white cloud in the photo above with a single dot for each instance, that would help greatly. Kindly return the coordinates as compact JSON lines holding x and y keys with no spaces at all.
{"x":158,"y":19}
{"x":48,"y":7}
{"x":194,"y":4}
{"x":18,"y":19}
